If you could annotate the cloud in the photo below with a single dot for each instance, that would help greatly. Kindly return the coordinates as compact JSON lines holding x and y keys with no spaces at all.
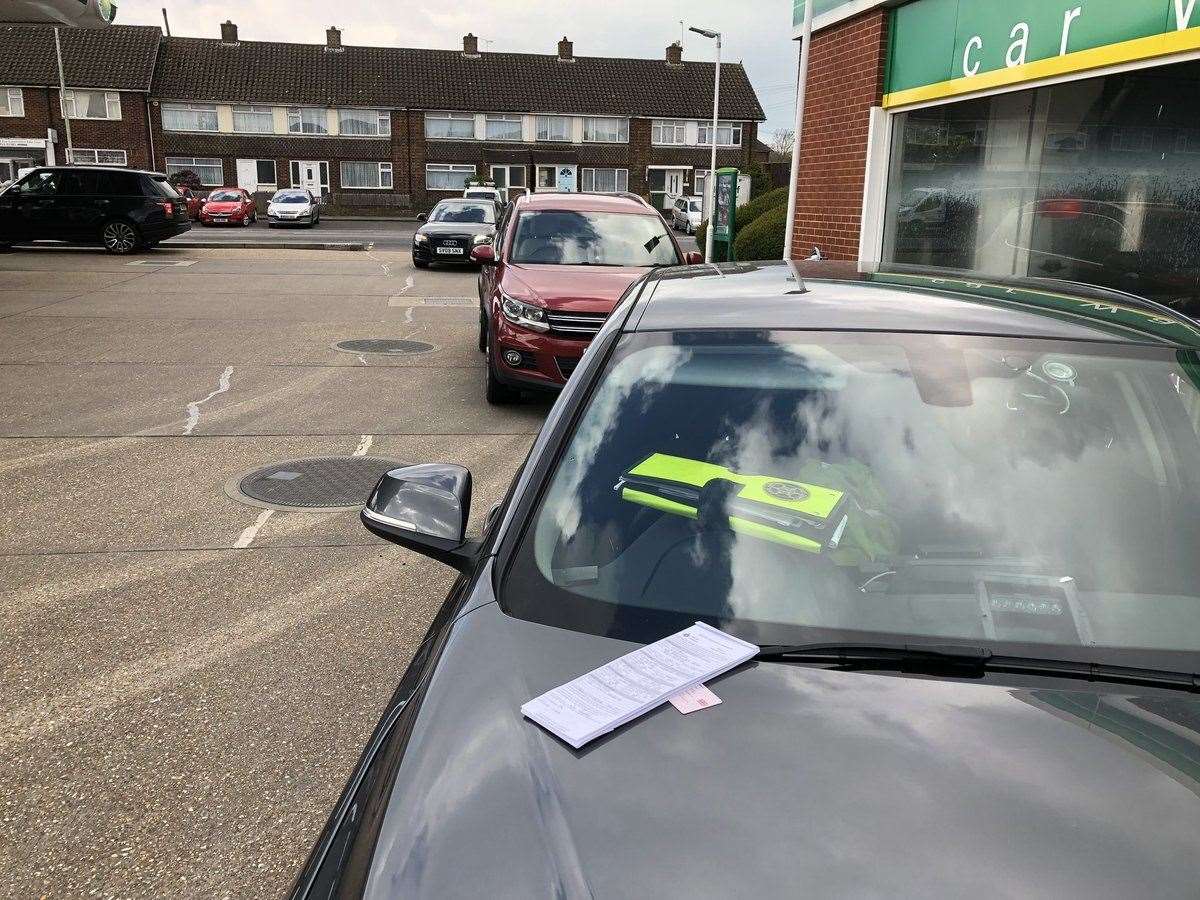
{"x":757,"y":33}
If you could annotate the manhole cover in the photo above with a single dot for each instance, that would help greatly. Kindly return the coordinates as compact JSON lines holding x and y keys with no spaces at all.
{"x":326,"y":482}
{"x":383,"y":345}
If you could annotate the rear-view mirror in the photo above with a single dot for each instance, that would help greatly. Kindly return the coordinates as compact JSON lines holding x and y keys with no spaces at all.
{"x":421,"y":217}
{"x":425,"y":508}
{"x":484,"y":254}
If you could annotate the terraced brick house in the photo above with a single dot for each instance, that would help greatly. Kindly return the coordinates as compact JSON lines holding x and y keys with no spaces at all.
{"x":390,"y":129}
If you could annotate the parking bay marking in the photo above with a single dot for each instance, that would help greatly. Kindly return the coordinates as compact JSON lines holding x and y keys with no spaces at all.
{"x":163,"y":264}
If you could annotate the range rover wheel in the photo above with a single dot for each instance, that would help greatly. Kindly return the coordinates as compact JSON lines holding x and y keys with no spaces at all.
{"x":119,"y":237}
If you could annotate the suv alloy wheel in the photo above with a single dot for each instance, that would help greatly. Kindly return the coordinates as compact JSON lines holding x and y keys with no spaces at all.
{"x":120,"y":237}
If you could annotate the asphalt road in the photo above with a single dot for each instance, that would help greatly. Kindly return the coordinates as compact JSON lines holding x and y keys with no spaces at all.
{"x":189,"y":679}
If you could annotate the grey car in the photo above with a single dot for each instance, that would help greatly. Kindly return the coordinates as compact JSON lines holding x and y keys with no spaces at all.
{"x":958,"y":517}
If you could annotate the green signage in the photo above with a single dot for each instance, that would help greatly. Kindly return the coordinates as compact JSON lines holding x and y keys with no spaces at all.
{"x":935,"y":43}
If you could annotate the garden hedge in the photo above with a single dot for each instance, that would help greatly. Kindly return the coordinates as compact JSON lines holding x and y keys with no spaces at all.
{"x":762,"y":238}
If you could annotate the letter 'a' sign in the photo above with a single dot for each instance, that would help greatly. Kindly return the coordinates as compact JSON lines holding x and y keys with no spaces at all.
{"x":945,"y":48}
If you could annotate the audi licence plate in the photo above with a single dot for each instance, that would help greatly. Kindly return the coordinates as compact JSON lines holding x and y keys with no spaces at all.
{"x":450,"y":250}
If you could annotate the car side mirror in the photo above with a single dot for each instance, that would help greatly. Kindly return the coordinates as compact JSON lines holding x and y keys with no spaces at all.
{"x":484,"y":254}
{"x":421,"y":217}
{"x":425,"y":508}
{"x":693,"y":258}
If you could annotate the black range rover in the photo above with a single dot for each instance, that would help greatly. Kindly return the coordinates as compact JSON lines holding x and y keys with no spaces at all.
{"x":451,"y":229}
{"x":123,"y":210}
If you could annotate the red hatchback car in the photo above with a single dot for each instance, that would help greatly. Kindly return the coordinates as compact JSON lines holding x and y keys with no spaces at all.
{"x":558,"y":266}
{"x":229,"y":206}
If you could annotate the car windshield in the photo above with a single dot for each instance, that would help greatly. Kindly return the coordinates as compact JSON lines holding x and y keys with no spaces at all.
{"x":570,"y":238}
{"x":792,"y":487}
{"x":695,"y":206}
{"x":290,"y":198}
{"x":466,"y":213}
{"x":225,"y":196}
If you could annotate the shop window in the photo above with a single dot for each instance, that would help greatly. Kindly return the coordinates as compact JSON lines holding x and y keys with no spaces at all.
{"x":367,"y":175}
{"x":554,"y":128}
{"x":1071,"y":182}
{"x":449,"y":126}
{"x":12,"y":102}
{"x":447,"y":177}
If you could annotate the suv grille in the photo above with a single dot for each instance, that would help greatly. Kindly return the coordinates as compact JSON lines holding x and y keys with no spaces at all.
{"x":575,"y":325}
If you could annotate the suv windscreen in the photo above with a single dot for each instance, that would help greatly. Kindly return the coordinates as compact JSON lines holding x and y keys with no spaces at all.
{"x":792,"y":487}
{"x":571,"y":238}
{"x":466,"y":213}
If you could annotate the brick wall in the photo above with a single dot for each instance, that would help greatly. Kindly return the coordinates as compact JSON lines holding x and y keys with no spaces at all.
{"x":845,"y":80}
{"x":42,"y":111}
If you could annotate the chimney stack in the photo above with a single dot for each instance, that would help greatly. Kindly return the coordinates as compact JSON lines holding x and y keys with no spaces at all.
{"x":566,"y":50}
{"x":675,"y":54}
{"x":470,"y":45}
{"x":333,"y":39}
{"x":229,"y":33}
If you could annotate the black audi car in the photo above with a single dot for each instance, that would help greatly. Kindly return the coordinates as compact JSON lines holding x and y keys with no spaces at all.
{"x":451,"y":229}
{"x":122,"y":210}
{"x":959,"y":518}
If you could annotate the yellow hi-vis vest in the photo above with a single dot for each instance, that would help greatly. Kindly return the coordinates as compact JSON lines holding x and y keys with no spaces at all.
{"x":805,"y":516}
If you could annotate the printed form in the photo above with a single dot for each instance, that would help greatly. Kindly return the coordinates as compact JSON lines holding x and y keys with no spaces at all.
{"x":608,"y":697}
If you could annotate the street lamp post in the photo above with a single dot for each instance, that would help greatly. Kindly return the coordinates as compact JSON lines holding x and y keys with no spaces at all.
{"x":711,"y":183}
{"x":62,"y":98}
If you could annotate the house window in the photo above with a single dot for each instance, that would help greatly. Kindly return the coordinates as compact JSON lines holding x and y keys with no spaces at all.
{"x":252,"y":120}
{"x":91,"y":104}
{"x":265,"y":172}
{"x":369,"y":122}
{"x":503,"y":128}
{"x":606,"y":131}
{"x":554,"y":128}
{"x":729,"y":134}
{"x":449,"y":126}
{"x":99,"y":157}
{"x":606,"y":181}
{"x":12,"y":102}
{"x":209,"y":170}
{"x":446,"y":177}
{"x":367,"y":175}
{"x":668,"y":132}
{"x":307,"y":120}
{"x":189,"y":117}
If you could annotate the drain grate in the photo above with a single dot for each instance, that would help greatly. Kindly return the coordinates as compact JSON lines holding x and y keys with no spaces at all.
{"x":325,"y":482}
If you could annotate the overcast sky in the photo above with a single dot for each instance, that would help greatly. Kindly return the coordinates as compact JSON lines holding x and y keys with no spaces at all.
{"x":757,"y":32}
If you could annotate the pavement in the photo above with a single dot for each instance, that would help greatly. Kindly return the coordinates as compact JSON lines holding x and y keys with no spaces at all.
{"x":189,"y":679}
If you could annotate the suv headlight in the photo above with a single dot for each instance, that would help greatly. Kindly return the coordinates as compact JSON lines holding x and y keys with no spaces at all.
{"x":481,"y":239}
{"x":524,"y":314}
{"x":419,"y":238}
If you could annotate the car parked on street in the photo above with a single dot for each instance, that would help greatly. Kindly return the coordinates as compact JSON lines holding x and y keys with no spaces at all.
{"x":958,"y":518}
{"x":229,"y":206}
{"x":451,"y":229}
{"x":194,"y":199}
{"x":294,"y":206}
{"x":121,"y":209}
{"x":687,"y":213}
{"x":558,"y":265}
{"x":486,"y":193}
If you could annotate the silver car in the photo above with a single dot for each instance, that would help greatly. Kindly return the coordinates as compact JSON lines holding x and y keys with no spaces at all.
{"x":687,"y":213}
{"x":294,"y":206}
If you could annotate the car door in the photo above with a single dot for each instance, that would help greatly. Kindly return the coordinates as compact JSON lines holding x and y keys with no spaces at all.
{"x":27,"y":208}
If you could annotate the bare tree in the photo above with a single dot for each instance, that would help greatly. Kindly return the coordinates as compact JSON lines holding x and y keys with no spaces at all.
{"x":782,"y":140}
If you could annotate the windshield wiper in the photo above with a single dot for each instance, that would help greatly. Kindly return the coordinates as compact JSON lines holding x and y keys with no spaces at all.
{"x":969,"y":662}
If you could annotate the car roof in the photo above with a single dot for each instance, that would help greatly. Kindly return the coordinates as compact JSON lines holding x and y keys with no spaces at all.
{"x":98,"y":169}
{"x":835,"y":296}
{"x":584,"y":202}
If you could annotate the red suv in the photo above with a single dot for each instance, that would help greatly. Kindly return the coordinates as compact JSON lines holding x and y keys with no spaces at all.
{"x":558,"y":266}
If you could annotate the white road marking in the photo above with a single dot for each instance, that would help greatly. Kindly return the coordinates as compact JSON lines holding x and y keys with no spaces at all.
{"x":362,"y":359}
{"x":408,"y":315}
{"x":250,"y":533}
{"x":364,"y":445}
{"x":193,"y":409}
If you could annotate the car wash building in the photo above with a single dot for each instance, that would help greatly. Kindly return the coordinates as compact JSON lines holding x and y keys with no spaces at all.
{"x":1052,"y":138}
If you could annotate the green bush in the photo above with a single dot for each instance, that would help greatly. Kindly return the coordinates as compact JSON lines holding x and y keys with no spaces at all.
{"x":760,"y":181}
{"x":763,"y":238}
{"x":747,"y":214}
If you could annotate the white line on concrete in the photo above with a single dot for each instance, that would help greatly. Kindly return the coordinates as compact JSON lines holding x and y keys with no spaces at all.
{"x":408,"y":315}
{"x":193,"y":409}
{"x":364,"y":445}
{"x":362,"y":359}
{"x":251,"y":532}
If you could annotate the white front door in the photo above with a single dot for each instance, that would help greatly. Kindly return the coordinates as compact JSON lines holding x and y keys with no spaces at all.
{"x":674,"y":183}
{"x":310,"y":177}
{"x":247,"y":174}
{"x":566,"y":178}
